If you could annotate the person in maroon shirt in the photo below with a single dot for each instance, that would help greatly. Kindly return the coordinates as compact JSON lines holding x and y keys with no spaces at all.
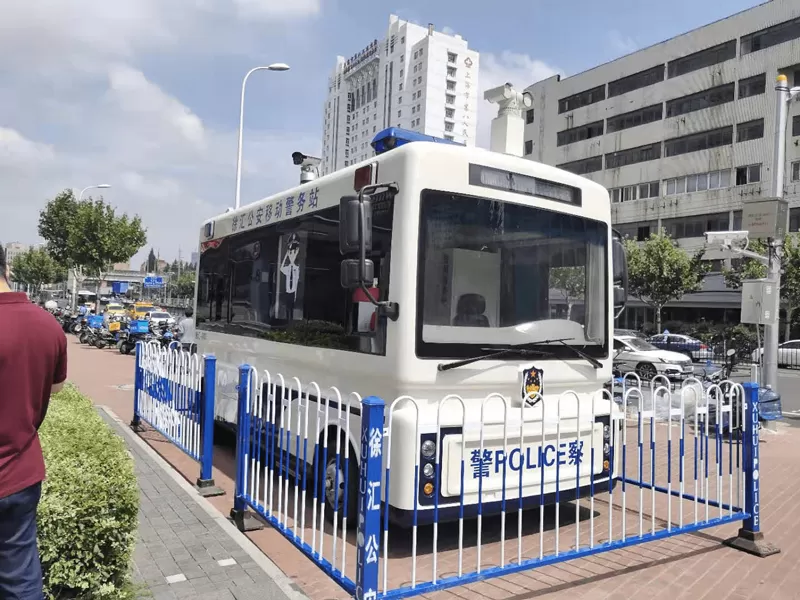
{"x":33,"y":365}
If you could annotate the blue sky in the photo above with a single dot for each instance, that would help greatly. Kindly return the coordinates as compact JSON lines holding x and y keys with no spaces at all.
{"x":144,"y":94}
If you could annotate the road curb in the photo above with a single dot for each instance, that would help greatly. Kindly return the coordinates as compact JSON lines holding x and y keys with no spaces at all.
{"x":286,"y":585}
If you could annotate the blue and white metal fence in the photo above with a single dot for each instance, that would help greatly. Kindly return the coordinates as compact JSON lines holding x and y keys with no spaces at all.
{"x":463,"y":474}
{"x":174,"y":394}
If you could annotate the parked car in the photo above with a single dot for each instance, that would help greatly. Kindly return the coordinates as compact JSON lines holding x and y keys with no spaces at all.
{"x":157,"y":318}
{"x":635,"y":355}
{"x":788,"y":354}
{"x":683,"y":344}
{"x":630,"y":333}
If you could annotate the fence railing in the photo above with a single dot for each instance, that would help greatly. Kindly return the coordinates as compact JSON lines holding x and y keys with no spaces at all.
{"x":174,"y":394}
{"x":408,"y":497}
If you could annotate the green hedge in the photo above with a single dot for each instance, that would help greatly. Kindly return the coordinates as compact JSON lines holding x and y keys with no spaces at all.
{"x":90,"y":503}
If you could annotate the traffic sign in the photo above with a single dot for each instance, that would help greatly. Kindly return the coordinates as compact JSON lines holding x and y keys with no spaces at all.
{"x":153,"y":282}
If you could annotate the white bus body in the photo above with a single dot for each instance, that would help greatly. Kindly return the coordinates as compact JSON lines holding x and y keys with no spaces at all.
{"x":470,"y":265}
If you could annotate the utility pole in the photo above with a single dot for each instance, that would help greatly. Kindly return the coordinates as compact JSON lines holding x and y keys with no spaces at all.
{"x":784,"y":95}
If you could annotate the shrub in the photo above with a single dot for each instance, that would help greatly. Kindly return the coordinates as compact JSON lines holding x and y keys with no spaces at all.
{"x":90,"y":503}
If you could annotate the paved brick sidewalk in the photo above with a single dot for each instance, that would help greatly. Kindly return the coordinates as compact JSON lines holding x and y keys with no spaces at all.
{"x":184,"y":551}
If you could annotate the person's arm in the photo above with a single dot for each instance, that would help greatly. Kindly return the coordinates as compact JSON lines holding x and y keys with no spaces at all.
{"x":59,"y":377}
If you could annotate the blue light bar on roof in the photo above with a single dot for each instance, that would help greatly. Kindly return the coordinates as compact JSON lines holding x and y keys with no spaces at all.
{"x":391,"y":138}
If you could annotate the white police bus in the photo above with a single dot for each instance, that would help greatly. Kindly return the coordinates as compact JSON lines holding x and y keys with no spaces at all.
{"x":490,"y":274}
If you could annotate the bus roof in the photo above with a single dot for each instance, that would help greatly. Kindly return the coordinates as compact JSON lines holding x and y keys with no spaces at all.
{"x":304,"y":198}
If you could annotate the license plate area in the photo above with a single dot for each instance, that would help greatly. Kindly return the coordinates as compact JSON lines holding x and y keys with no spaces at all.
{"x":565,"y":458}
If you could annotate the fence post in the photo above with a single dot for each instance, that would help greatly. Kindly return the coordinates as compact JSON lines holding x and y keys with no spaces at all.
{"x":205,"y":483}
{"x":368,"y":539}
{"x":137,"y":387}
{"x":241,"y":517}
{"x":750,"y":538}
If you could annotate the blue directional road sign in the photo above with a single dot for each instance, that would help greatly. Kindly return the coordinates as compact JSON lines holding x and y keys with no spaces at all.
{"x":153,"y":282}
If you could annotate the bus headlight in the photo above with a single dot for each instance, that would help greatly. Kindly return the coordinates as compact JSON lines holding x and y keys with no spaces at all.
{"x":428,"y":470}
{"x":606,"y":432}
{"x":428,"y":448}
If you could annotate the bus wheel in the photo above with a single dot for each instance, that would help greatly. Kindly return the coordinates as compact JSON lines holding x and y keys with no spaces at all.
{"x":333,"y":482}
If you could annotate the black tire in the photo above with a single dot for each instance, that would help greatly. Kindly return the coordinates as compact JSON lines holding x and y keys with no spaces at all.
{"x":326,"y":478}
{"x":125,"y":348}
{"x":646,"y":371}
{"x":99,"y":343}
{"x":83,"y":337}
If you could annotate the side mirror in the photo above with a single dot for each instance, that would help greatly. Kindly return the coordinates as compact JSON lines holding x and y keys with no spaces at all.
{"x":352,"y":235}
{"x":619,"y":263}
{"x":353,"y":277}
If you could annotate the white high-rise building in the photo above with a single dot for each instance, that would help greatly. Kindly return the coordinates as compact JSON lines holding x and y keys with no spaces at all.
{"x":414,"y":77}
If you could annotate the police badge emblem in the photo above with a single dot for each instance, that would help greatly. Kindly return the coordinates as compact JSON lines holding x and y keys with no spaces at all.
{"x":532,"y":384}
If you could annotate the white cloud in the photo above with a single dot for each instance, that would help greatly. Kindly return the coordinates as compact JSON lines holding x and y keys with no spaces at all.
{"x":18,"y":152}
{"x":271,"y":9}
{"x":621,"y":43}
{"x":78,"y":106}
{"x":520,"y":70}
{"x":448,"y":30}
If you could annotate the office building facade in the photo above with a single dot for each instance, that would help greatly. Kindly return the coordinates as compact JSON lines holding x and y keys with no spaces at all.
{"x":412,"y":77}
{"x":682,"y":132}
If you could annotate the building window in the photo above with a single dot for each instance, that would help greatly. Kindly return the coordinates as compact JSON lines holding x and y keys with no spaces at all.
{"x":448,"y":138}
{"x":399,"y":99}
{"x":771,"y":36}
{"x":693,"y":227}
{"x":703,"y":58}
{"x":451,"y":71}
{"x":642,"y":233}
{"x":705,"y":99}
{"x":577,"y":134}
{"x":796,"y":125}
{"x":649,"y":190}
{"x":529,"y":116}
{"x":450,"y":98}
{"x":748,"y":174}
{"x":796,"y":170}
{"x":401,"y":72}
{"x":633,"y":156}
{"x":448,"y":127}
{"x":528,"y":147}
{"x":699,"y":141}
{"x":649,"y":114}
{"x":421,"y":50}
{"x":452,"y":58}
{"x":413,"y":109}
{"x":582,"y":167}
{"x":582,"y":99}
{"x":794,"y":219}
{"x":636,"y":81}
{"x":752,"y":130}
{"x":399,"y":113}
{"x":451,"y":86}
{"x":449,"y":113}
{"x":752,"y":86}
{"x":416,"y":55}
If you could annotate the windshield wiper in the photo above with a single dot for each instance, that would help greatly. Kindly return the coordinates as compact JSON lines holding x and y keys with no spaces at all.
{"x":494,"y":353}
{"x":593,"y":361}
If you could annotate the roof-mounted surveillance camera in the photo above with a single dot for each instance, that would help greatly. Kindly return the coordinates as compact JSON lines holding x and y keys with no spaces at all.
{"x":308,"y":166}
{"x":728,"y":239}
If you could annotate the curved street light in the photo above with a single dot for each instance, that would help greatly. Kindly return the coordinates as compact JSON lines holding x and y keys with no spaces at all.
{"x":99,"y":186}
{"x":272,"y":67}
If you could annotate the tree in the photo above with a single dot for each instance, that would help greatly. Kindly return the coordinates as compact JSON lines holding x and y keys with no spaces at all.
{"x":35,"y":268}
{"x":182,"y":286}
{"x":88,"y":237}
{"x":749,"y":268}
{"x":571,"y":282}
{"x":659,"y":271}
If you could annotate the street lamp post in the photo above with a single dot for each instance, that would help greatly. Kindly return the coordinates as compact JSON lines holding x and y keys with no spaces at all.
{"x":272,"y":67}
{"x":775,"y":247}
{"x":98,"y":186}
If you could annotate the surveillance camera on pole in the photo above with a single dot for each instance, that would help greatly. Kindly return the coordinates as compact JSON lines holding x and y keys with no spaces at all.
{"x":728,"y":240}
{"x":309,"y":166}
{"x":508,"y":127}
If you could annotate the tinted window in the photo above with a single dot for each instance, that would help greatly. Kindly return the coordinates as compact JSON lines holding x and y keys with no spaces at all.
{"x":701,"y":59}
{"x":281,"y":283}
